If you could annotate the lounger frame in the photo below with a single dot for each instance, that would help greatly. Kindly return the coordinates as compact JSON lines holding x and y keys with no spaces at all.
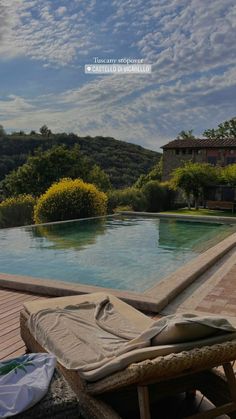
{"x":173,"y":373}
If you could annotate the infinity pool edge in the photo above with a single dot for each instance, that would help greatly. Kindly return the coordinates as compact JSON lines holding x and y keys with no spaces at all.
{"x":153,"y":299}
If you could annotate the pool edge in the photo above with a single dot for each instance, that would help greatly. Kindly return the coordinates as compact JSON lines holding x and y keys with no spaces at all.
{"x":153,"y":299}
{"x":172,"y":285}
{"x":55,"y":288}
{"x":184,"y":217}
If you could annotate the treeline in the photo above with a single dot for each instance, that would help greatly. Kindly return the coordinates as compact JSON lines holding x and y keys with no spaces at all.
{"x":123,"y":162}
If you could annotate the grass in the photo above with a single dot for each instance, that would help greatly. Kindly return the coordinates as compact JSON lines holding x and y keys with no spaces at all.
{"x":202,"y":212}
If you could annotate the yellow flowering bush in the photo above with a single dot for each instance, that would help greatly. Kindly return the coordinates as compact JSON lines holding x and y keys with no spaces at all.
{"x":17,"y":211}
{"x":70,"y":199}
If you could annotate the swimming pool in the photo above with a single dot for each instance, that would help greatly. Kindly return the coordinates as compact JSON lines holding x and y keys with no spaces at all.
{"x":129,"y":253}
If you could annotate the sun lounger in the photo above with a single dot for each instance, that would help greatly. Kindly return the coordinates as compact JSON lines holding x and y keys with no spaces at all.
{"x":136,"y":351}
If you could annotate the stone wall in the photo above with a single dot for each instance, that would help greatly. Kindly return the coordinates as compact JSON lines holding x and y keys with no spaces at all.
{"x":171,"y":160}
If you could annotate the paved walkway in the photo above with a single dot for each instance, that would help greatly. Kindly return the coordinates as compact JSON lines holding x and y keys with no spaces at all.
{"x":213,"y":293}
{"x":222,"y":298}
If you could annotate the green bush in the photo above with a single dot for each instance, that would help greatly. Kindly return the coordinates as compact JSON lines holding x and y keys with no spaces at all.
{"x":158,"y":196}
{"x":132,"y":198}
{"x":17,"y":211}
{"x":70,"y":199}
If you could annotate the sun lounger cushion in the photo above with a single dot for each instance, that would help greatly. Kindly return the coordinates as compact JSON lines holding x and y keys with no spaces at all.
{"x":101,"y":335}
{"x":187,"y":327}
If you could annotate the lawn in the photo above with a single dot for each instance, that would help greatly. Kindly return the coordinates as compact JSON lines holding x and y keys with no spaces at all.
{"x":202,"y":212}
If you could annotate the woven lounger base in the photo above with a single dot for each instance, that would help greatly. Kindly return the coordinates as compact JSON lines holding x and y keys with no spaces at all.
{"x":173,"y":374}
{"x":60,"y":402}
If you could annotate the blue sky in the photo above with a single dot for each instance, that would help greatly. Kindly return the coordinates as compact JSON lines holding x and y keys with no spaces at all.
{"x":44,"y":46}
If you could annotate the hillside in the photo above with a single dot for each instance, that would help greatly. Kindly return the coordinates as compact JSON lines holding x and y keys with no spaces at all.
{"x":124,"y":162}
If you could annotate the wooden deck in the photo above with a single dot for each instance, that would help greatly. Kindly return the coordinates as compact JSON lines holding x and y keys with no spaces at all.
{"x":11,"y":302}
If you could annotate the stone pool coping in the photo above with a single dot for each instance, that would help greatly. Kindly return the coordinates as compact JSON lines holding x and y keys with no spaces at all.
{"x":172,"y":285}
{"x":55,"y":288}
{"x":154,"y":299}
{"x":208,"y":218}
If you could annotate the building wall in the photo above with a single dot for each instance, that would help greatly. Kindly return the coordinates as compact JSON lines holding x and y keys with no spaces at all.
{"x":171,"y":160}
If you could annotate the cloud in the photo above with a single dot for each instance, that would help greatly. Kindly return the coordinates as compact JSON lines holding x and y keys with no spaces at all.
{"x":14,"y":106}
{"x":34,"y":30}
{"x":149,"y":119}
{"x":190,"y":44}
{"x":61,"y":11}
{"x":172,"y":34}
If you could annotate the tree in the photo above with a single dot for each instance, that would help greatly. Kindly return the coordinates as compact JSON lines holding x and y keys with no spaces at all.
{"x":2,"y":131}
{"x":154,"y":174}
{"x":45,"y":131}
{"x":193,"y":179}
{"x":226,"y":129}
{"x":157,"y":196}
{"x":47,"y":167}
{"x":228,"y":175}
{"x":186,"y":135}
{"x":99,"y":178}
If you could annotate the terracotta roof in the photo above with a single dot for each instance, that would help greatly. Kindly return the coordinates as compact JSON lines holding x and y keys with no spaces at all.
{"x":202,"y":143}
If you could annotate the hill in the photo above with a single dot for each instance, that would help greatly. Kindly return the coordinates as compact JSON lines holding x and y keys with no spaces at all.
{"x":123,"y":162}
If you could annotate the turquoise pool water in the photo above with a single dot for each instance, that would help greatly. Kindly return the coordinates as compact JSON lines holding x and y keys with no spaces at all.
{"x":120,"y":252}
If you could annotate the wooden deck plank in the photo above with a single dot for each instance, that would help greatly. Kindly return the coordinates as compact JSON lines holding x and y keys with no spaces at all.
{"x":15,"y":310}
{"x":7,"y":322}
{"x":10,"y":333}
{"x":7,"y":319}
{"x":8,"y":329}
{"x":16,"y":353}
{"x":13,"y":307}
{"x":8,"y":298}
{"x":11,"y":352}
{"x":10,"y":341}
{"x":11,"y":302}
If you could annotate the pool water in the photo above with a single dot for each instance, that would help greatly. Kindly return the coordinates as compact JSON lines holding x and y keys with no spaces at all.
{"x":130,"y":253}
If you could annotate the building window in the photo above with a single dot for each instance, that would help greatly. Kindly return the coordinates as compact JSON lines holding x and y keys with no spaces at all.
{"x":190,"y":151}
{"x":183,"y":151}
{"x":199,"y":151}
{"x":176,"y":151}
{"x":212,"y":160}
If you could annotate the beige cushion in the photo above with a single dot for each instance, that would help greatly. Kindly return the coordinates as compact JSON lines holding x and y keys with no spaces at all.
{"x":189,"y":327}
{"x":98,"y":334}
{"x":128,"y":311}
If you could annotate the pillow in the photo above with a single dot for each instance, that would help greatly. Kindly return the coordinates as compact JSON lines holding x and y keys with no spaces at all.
{"x":181,"y":328}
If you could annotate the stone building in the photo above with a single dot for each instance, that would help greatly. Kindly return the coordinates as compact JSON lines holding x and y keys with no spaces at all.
{"x":214,"y":151}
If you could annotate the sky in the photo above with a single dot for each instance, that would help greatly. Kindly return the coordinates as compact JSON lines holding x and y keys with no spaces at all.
{"x":190,"y":44}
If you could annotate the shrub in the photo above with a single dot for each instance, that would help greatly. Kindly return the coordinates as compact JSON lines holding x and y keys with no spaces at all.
{"x":158,"y":196}
{"x":70,"y":199}
{"x":17,"y":211}
{"x":129,"y":197}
